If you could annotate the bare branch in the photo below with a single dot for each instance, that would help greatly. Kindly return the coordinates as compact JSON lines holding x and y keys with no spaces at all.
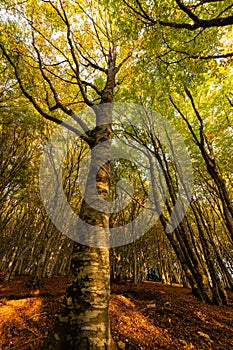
{"x":58,"y":102}
{"x":54,"y":64}
{"x":208,"y":1}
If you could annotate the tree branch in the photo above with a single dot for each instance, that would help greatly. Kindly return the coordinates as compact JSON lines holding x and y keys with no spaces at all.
{"x":124,"y":60}
{"x":198,"y":22}
{"x":197,"y":142}
{"x":47,"y":116}
{"x":86,"y":83}
{"x":58,"y":103}
{"x":230,"y":101}
{"x":89,"y":62}
{"x":202,"y":137}
{"x":214,"y":56}
{"x":186,"y":10}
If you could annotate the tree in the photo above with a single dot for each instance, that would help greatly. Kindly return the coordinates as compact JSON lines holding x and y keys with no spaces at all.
{"x":64,"y":57}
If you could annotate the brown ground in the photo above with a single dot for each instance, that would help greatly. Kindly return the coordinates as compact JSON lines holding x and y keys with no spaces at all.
{"x":147,"y":316}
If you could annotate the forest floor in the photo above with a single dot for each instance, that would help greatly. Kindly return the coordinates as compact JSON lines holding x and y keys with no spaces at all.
{"x":146,"y":316}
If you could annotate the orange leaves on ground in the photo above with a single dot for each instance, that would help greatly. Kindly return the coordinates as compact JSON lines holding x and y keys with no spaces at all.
{"x":129,"y":324}
{"x":145,"y":316}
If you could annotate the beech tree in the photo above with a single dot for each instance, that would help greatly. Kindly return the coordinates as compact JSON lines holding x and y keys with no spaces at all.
{"x":64,"y":56}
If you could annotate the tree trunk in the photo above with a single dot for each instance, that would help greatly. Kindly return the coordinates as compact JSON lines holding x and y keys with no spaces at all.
{"x":219,"y":294}
{"x":84,"y":320}
{"x":223,"y":192}
{"x":83,"y":323}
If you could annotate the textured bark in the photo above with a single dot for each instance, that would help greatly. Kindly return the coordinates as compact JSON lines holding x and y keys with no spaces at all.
{"x":222,"y":189}
{"x":83,"y":323}
{"x":84,"y":320}
{"x":219,"y":293}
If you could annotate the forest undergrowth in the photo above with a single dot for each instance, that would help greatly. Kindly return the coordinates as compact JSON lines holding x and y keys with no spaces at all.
{"x":146,"y":316}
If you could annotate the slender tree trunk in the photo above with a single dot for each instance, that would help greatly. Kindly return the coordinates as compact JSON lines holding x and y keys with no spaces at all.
{"x":223,"y":192}
{"x":219,"y":294}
